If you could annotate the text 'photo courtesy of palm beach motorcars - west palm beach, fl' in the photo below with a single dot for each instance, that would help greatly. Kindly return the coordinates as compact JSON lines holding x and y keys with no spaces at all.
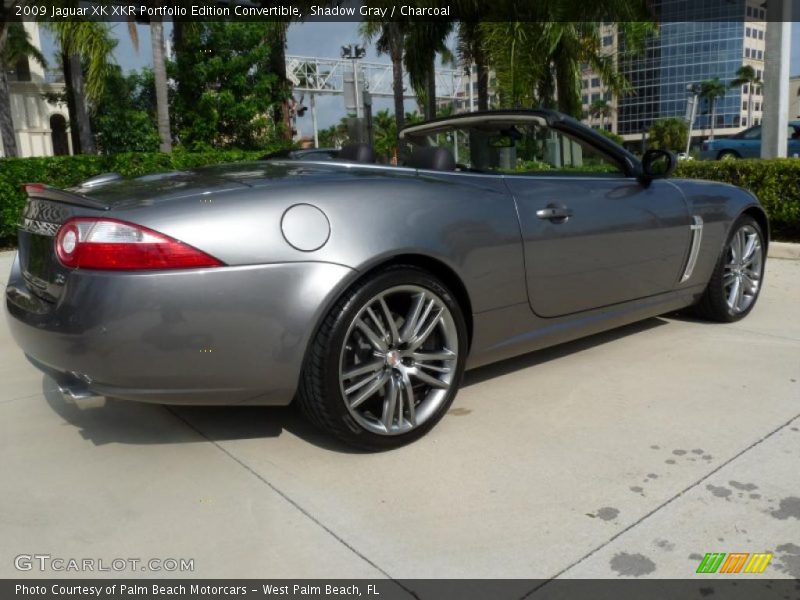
{"x":318,"y":272}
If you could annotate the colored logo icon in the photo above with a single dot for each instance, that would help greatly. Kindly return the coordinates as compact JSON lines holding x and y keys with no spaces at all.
{"x":735,"y":562}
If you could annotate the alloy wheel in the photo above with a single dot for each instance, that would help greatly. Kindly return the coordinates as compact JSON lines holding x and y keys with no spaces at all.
{"x":398,"y":360}
{"x":744,"y":263}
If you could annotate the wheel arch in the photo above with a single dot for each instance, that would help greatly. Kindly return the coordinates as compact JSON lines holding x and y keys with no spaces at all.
{"x":760,"y":216}
{"x":725,"y":151}
{"x":435,"y":267}
{"x":428,"y":263}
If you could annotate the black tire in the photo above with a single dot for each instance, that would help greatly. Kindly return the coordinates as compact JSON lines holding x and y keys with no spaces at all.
{"x":713,"y":305}
{"x":320,"y":395}
{"x":728,"y":155}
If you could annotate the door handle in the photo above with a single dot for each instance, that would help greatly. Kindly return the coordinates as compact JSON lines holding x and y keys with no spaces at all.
{"x":557,"y":214}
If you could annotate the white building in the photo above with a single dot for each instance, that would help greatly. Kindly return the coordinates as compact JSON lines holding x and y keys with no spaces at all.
{"x":40,"y":126}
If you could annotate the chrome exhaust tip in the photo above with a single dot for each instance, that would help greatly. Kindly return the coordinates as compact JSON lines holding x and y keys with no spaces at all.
{"x":77,"y":393}
{"x":75,"y":388}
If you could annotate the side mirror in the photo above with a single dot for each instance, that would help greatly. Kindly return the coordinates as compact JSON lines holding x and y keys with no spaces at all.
{"x":657,"y":164}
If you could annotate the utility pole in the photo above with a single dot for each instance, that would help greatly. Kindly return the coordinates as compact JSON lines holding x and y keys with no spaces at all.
{"x":355,"y":52}
{"x":313,"y":102}
{"x":775,"y":121}
{"x":470,"y":70}
{"x":691,"y":111}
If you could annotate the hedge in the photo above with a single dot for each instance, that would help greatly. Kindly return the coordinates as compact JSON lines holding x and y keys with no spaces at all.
{"x":67,"y":171}
{"x":775,"y":182}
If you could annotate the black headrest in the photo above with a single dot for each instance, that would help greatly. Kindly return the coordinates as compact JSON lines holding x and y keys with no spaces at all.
{"x":357,"y":152}
{"x":431,"y":157}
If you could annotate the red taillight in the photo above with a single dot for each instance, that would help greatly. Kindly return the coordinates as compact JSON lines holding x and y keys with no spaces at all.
{"x":32,"y":188}
{"x":97,"y":243}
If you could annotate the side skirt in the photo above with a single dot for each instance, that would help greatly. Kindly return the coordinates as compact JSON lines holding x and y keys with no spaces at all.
{"x":513,"y":330}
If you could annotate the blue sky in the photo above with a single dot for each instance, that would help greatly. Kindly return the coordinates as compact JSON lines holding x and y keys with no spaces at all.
{"x":316,"y":39}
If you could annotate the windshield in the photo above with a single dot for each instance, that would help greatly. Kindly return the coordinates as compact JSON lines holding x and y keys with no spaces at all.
{"x":525,"y":147}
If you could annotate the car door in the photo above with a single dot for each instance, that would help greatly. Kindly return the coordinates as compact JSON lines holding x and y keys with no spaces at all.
{"x":794,"y":141}
{"x":593,"y":236}
{"x":748,"y":143}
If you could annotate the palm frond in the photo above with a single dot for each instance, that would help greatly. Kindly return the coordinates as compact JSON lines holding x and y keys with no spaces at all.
{"x":18,"y":46}
{"x":91,"y":41}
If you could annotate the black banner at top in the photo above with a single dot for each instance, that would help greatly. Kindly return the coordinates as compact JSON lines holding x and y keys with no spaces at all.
{"x":400,"y":10}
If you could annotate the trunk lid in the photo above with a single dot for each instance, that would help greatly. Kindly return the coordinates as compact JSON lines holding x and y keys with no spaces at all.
{"x":47,"y":209}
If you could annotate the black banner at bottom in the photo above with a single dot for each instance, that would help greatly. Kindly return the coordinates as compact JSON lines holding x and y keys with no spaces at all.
{"x":383,"y":589}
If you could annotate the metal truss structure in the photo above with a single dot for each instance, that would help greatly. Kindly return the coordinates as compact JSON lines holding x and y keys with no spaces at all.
{"x":314,"y":75}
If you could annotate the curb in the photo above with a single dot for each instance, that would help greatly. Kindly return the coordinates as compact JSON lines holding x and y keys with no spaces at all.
{"x":784,"y":250}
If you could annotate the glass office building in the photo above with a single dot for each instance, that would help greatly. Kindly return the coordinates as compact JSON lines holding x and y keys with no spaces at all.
{"x":697,"y":41}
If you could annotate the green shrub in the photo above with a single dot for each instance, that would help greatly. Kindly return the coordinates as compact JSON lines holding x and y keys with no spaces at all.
{"x":669,"y":134}
{"x":67,"y":171}
{"x":775,"y":182}
{"x":617,"y":139}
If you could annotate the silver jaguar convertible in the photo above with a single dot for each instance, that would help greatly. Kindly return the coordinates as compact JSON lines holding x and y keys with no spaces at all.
{"x":363,"y":291}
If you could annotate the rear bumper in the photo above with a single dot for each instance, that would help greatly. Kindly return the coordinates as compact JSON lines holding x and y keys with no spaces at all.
{"x":212,"y":336}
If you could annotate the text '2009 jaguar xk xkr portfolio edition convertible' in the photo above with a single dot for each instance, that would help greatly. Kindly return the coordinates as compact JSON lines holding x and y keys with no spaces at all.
{"x":363,"y":291}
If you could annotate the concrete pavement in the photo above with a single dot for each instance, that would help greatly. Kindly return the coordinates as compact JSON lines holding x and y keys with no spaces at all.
{"x":631,"y":453}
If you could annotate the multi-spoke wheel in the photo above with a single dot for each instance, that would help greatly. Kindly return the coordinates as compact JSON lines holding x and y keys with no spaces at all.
{"x":736,"y":281}
{"x":398,"y":360}
{"x":387,"y":360}
{"x":744,"y":262}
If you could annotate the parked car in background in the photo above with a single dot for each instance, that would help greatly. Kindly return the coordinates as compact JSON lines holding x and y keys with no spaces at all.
{"x":747,"y":144}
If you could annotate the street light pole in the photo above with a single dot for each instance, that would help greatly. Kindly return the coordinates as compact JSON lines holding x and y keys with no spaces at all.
{"x":355,"y":85}
{"x":691,"y":112}
{"x":470,"y":69}
{"x":355,"y":52}
{"x":314,"y":119}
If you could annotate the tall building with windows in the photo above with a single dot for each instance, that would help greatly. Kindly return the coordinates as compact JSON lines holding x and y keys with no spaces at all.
{"x":697,"y":41}
{"x":40,"y":126}
{"x":593,"y":91}
{"x":466,"y":99}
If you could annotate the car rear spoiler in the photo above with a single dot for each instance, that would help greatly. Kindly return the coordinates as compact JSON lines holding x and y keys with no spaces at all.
{"x":45,"y":192}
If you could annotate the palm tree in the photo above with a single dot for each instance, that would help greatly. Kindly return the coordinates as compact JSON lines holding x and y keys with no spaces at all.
{"x":84,"y":45}
{"x":17,"y":47}
{"x":423,"y":41}
{"x":602,"y":109}
{"x":278,"y":58}
{"x":746,"y":75}
{"x":389,"y":39}
{"x":711,"y":90}
{"x":538,"y":59}
{"x":6,"y":9}
{"x":385,"y":135}
{"x":278,"y":65}
{"x":160,"y":77}
{"x":471,"y":52}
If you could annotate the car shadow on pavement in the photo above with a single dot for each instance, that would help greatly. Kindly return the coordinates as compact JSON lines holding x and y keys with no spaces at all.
{"x":109,"y":420}
{"x":539,"y":357}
